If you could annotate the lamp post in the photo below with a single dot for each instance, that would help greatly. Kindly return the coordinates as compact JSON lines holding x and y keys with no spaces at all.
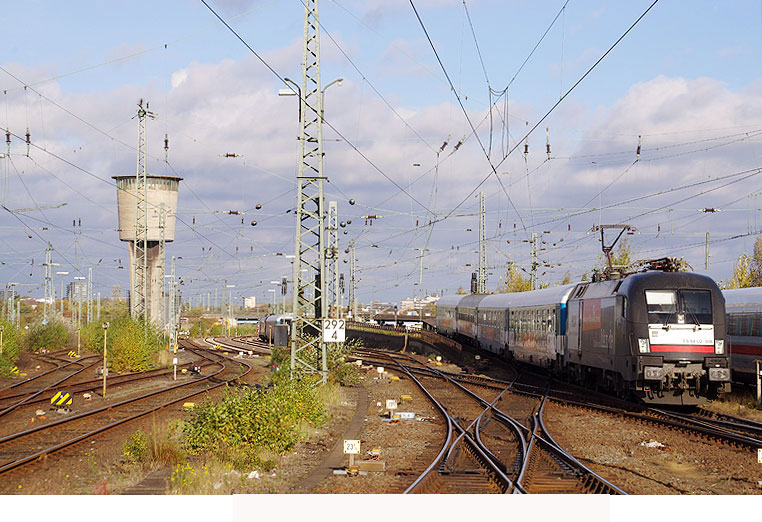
{"x":272,"y":306}
{"x":62,"y":292}
{"x":230,"y":307}
{"x":79,"y":311}
{"x":105,"y":358}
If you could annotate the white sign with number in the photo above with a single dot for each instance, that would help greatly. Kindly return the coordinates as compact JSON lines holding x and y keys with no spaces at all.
{"x":391,"y":404}
{"x":334,"y":330}
{"x":351,"y":447}
{"x":759,"y":455}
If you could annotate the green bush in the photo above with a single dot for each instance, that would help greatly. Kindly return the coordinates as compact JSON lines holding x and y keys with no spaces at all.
{"x":52,"y":336}
{"x":136,"y":447}
{"x":129,"y":348}
{"x":11,"y":348}
{"x":339,"y":371}
{"x":130,"y":345}
{"x":252,"y":421}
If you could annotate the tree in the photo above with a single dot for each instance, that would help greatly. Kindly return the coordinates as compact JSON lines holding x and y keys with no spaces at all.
{"x":621,"y":256}
{"x":755,"y":267}
{"x":748,"y":270}
{"x":514,"y":281}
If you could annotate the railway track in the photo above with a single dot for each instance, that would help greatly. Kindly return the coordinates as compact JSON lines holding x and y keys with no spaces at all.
{"x":486,"y":449}
{"x":30,"y":445}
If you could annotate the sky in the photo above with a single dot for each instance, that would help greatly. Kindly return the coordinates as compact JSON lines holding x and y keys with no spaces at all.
{"x":683,"y":85}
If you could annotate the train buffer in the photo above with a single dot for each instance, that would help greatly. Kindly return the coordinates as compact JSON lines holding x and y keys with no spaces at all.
{"x":61,"y":401}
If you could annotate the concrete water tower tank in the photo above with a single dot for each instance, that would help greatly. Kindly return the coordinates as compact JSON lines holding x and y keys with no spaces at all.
{"x":162,"y":198}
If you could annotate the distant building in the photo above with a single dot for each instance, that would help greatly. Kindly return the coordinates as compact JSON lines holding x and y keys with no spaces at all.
{"x":77,"y":291}
{"x":417,"y":303}
{"x":250,"y":302}
{"x":116,"y":293}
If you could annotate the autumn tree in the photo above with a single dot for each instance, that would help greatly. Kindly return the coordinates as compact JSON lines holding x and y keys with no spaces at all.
{"x":621,"y":256}
{"x":514,"y":281}
{"x":748,"y":269}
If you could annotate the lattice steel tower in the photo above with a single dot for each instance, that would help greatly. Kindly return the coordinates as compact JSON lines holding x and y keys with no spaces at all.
{"x":89,"y":295}
{"x":352,"y":280}
{"x":50,"y":292}
{"x":481,"y":286}
{"x":332,"y":257}
{"x":139,"y":290}
{"x":309,"y":293}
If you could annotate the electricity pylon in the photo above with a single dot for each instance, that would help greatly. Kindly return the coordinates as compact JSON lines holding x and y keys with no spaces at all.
{"x":309,"y":293}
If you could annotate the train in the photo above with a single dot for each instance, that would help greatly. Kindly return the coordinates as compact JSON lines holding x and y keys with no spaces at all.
{"x":657,"y":337}
{"x":743,"y":307}
{"x":271,"y":330}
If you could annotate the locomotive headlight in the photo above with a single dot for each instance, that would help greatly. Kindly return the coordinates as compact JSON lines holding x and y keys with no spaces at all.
{"x":719,"y":346}
{"x":643,"y":346}
{"x":653,"y":373}
{"x":719,"y":374}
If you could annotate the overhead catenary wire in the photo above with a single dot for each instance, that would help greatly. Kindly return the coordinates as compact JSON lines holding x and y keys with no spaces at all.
{"x":323,"y":120}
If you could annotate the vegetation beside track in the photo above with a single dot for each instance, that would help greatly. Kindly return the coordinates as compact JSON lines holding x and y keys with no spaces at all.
{"x":223,"y":440}
{"x":51,"y":335}
{"x":12,"y":344}
{"x":130,"y":343}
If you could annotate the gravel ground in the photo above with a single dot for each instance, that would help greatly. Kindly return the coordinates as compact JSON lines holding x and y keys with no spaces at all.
{"x":642,"y":459}
{"x":649,"y":460}
{"x":95,"y":466}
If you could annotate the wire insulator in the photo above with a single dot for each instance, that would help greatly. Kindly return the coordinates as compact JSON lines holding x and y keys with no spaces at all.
{"x":8,"y":137}
{"x":547,"y":141}
{"x":637,"y":153}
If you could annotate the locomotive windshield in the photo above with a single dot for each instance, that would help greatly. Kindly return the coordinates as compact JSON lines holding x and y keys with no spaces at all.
{"x":679,"y":306}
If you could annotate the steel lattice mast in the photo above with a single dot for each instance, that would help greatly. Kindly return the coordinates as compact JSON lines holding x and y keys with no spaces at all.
{"x":332,"y":257}
{"x":160,"y":268}
{"x":309,"y":286}
{"x":139,"y":290}
{"x":89,"y":295}
{"x":352,"y":281}
{"x":481,"y":287}
{"x":50,"y":291}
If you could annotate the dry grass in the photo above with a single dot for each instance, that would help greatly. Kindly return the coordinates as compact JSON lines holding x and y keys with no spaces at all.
{"x":162,"y":358}
{"x":741,"y":403}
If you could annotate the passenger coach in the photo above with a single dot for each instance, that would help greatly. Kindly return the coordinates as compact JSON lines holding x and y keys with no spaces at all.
{"x":657,"y":336}
{"x":744,"y":321}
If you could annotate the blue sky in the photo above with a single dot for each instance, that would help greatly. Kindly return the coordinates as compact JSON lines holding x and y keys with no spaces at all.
{"x":686,"y":79}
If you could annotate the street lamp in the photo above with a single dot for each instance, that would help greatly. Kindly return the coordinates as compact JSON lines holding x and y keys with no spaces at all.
{"x":272,"y":307}
{"x":62,"y":291}
{"x":295,"y":90}
{"x":230,"y":307}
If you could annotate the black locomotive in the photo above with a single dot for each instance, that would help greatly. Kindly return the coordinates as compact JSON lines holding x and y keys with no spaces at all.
{"x":655,"y":336}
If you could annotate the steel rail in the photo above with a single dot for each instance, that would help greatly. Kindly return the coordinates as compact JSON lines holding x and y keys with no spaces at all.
{"x":449,"y":443}
{"x":12,"y":465}
{"x":58,"y":367}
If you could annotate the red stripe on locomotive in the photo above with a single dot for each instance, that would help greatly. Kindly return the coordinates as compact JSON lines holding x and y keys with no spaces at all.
{"x":682,"y":348}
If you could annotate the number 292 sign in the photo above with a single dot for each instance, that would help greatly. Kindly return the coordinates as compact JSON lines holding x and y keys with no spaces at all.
{"x":334,"y":330}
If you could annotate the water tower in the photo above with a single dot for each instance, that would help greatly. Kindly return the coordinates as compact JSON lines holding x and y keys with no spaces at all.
{"x":160,"y":219}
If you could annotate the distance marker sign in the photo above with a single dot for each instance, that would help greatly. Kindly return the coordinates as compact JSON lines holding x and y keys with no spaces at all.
{"x":351,"y":447}
{"x":334,"y":330}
